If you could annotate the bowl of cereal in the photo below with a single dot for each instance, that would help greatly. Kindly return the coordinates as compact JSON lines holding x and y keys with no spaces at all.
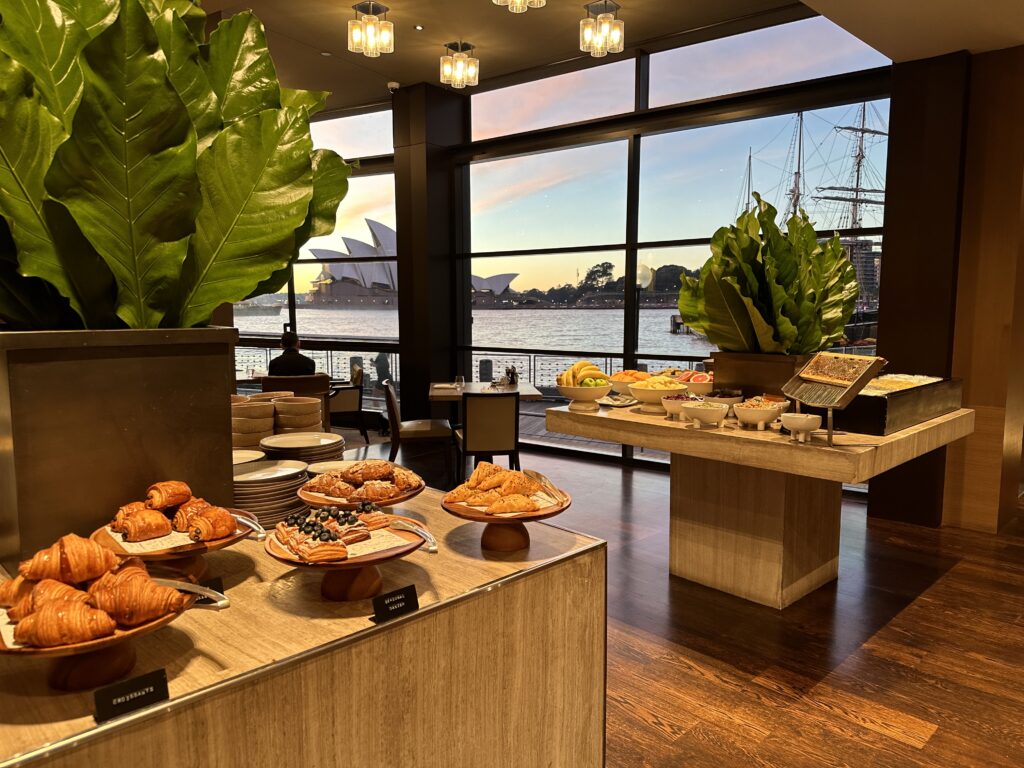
{"x":705,"y":413}
{"x":756,"y":411}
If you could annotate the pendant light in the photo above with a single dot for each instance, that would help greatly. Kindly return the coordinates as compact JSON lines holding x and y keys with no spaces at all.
{"x":370,"y":33}
{"x":459,"y":67}
{"x":602,"y":32}
{"x":521,"y":6}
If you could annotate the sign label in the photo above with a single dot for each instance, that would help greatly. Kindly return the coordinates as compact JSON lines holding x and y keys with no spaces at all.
{"x":129,"y":695}
{"x":391,"y":605}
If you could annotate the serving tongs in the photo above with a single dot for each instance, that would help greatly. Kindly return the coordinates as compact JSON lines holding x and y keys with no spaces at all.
{"x":259,"y":530}
{"x":546,"y":484}
{"x":428,"y":537}
{"x":220,"y":600}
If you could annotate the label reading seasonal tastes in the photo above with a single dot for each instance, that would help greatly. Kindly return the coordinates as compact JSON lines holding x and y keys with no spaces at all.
{"x":128,"y":695}
{"x":391,"y":605}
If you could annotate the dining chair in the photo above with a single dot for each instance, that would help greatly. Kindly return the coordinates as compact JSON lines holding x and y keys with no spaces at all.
{"x":348,"y":398}
{"x":417,"y":430}
{"x":490,"y":427}
{"x":316,"y":385}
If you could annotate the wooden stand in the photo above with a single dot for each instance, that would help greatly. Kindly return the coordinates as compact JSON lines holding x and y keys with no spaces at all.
{"x":192,"y":567}
{"x":505,"y":537}
{"x":352,"y":584}
{"x":92,"y":670}
{"x":764,"y":536}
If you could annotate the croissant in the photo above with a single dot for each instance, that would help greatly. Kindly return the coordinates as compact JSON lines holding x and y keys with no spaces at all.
{"x":132,"y":568}
{"x":169,"y":493}
{"x":212,"y":523}
{"x":62,"y":623}
{"x":145,"y":525}
{"x":71,"y":559}
{"x":46,"y":591}
{"x":124,"y":513}
{"x":135,"y":601}
{"x":12,"y":590}
{"x":184,"y":514}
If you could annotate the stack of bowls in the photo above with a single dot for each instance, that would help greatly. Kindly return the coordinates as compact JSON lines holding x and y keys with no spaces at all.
{"x":266,"y":396}
{"x":309,"y":447}
{"x":269,"y":489}
{"x":251,"y":422}
{"x":297,"y":414}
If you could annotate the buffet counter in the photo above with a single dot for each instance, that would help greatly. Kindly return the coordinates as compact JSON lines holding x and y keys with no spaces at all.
{"x":753,"y":513}
{"x":502,"y":647}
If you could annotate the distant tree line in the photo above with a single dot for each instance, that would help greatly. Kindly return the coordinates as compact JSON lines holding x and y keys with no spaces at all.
{"x":600,"y":279}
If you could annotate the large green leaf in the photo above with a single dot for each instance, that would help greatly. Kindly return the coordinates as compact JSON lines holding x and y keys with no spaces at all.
{"x":94,"y":15}
{"x":28,"y":303}
{"x":190,"y":13}
{"x":40,"y":36}
{"x":257,"y":185}
{"x":240,"y":69}
{"x":764,"y":331}
{"x":187,"y":75}
{"x":729,"y":326}
{"x":128,"y":172}
{"x":313,"y":101}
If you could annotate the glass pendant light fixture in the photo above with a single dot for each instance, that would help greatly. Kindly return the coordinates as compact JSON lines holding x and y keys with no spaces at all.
{"x":602,"y":32}
{"x":370,"y":33}
{"x":459,"y":66}
{"x":521,"y":6}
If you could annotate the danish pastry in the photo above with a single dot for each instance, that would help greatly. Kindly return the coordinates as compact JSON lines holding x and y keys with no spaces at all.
{"x":374,"y":490}
{"x":459,"y":494}
{"x":482,"y":471}
{"x":494,"y":480}
{"x":509,"y":504}
{"x":484,"y":498}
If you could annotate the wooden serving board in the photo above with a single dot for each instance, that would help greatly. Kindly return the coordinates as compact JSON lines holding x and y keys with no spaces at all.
{"x":281,"y":553}
{"x":476,"y":515}
{"x":104,"y":538}
{"x":320,"y":500}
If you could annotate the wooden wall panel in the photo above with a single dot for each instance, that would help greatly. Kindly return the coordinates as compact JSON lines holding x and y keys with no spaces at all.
{"x":982,"y":474}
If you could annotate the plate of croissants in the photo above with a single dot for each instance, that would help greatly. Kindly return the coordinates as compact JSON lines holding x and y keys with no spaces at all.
{"x":493,"y":494}
{"x":77,"y":596}
{"x":351,"y":483}
{"x":172,"y":523}
{"x":337,"y":538}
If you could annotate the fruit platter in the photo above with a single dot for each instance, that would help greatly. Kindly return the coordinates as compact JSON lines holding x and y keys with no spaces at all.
{"x":584,"y":384}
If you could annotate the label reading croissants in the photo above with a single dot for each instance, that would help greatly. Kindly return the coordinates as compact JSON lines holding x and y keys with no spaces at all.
{"x":129,"y":695}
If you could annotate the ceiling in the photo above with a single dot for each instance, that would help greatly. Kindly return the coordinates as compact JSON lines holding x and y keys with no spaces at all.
{"x":905,"y":30}
{"x":300,"y":31}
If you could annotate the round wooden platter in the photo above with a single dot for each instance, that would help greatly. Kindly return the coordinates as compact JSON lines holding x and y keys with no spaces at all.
{"x":102,"y":537}
{"x":314,"y":499}
{"x":355,"y":578}
{"x":507,"y":534}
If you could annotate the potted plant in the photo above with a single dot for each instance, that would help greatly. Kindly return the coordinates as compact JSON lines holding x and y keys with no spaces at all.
{"x":148,"y":175}
{"x":769,"y":299}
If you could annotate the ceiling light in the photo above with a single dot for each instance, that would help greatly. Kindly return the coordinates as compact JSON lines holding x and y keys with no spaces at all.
{"x":459,"y":67}
{"x":419,"y":27}
{"x":601,"y":32}
{"x":325,"y":53}
{"x":521,"y":6}
{"x":370,"y":33}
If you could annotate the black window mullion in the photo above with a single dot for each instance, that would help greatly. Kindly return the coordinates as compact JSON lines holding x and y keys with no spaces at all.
{"x":292,"y":312}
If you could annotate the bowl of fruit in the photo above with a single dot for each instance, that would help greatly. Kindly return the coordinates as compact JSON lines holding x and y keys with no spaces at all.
{"x":584,"y":384}
{"x":621,"y":380}
{"x":650,"y":391}
{"x":697,"y":382}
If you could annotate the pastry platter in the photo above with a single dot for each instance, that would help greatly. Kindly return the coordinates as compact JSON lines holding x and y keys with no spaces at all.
{"x":506,"y":532}
{"x":347,"y":473}
{"x":175,"y":548}
{"x":357,"y":577}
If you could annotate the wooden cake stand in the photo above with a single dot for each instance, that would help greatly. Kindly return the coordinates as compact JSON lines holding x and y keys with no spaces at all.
{"x":320,"y":500}
{"x":185,"y":559}
{"x":508,"y":534}
{"x":95,"y":663}
{"x":357,"y":578}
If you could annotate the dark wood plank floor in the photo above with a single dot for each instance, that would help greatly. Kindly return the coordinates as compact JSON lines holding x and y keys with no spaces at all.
{"x":915,"y":657}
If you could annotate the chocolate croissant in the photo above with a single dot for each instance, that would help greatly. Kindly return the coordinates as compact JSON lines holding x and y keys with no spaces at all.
{"x":169,"y":493}
{"x":71,"y":559}
{"x":183,"y":516}
{"x":211,"y":523}
{"x":62,"y":623}
{"x":46,"y":591}
{"x":135,"y":601}
{"x":145,"y":525}
{"x":12,"y":590}
{"x":124,"y":513}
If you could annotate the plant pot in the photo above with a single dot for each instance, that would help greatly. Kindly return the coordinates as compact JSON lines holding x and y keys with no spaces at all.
{"x":90,"y":419}
{"x":755,"y":374}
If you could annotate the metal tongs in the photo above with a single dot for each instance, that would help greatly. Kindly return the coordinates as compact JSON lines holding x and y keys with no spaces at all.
{"x":405,"y":525}
{"x":259,"y":530}
{"x":546,"y":484}
{"x":220,"y":600}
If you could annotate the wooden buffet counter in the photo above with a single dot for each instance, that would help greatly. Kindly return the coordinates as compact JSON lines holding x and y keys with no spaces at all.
{"x":753,"y":513}
{"x":503,"y":664}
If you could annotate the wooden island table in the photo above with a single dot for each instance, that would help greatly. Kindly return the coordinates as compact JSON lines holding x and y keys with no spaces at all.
{"x":753,"y":513}
{"x":501,"y":647}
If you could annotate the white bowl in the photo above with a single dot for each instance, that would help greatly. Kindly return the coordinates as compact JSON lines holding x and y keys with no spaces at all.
{"x":651,"y":398}
{"x":674,"y":407}
{"x":622,"y":387}
{"x":800,"y":425}
{"x":782,"y":405}
{"x":706,"y":415}
{"x":729,"y":401}
{"x":700,"y":387}
{"x":583,"y":397}
{"x":758,"y":416}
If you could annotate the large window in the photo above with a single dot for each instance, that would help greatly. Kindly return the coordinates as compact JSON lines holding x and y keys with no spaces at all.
{"x":356,"y":136}
{"x":570,"y":98}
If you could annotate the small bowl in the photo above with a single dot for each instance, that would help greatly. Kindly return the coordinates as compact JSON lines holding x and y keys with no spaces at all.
{"x":252,"y":410}
{"x":651,"y":398}
{"x":704,"y":415}
{"x":674,"y":407}
{"x":700,"y":387}
{"x":729,"y":401}
{"x":297,"y":406}
{"x":270,"y":395}
{"x":243,"y":426}
{"x":583,"y":399}
{"x":782,"y":403}
{"x":801,"y":425}
{"x":239,"y":399}
{"x":759,"y":416}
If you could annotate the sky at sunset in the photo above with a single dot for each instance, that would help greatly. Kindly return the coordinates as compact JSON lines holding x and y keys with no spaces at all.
{"x":691,"y":181}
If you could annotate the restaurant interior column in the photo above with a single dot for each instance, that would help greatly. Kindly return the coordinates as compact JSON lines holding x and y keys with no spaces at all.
{"x":428,"y":123}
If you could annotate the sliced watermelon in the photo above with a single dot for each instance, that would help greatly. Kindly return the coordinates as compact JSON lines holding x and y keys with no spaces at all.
{"x":700,"y":378}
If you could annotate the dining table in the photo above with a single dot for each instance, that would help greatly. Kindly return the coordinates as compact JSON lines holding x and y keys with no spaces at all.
{"x":448,"y":392}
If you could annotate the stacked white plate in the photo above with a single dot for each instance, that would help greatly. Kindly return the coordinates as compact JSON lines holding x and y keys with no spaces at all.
{"x":309,"y":447}
{"x":269,"y":489}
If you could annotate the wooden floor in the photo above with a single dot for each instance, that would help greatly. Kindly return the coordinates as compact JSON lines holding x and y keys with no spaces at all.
{"x":915,"y":657}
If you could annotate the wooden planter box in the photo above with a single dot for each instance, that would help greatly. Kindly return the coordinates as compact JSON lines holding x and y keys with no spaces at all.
{"x":89,"y":419}
{"x":755,"y":374}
